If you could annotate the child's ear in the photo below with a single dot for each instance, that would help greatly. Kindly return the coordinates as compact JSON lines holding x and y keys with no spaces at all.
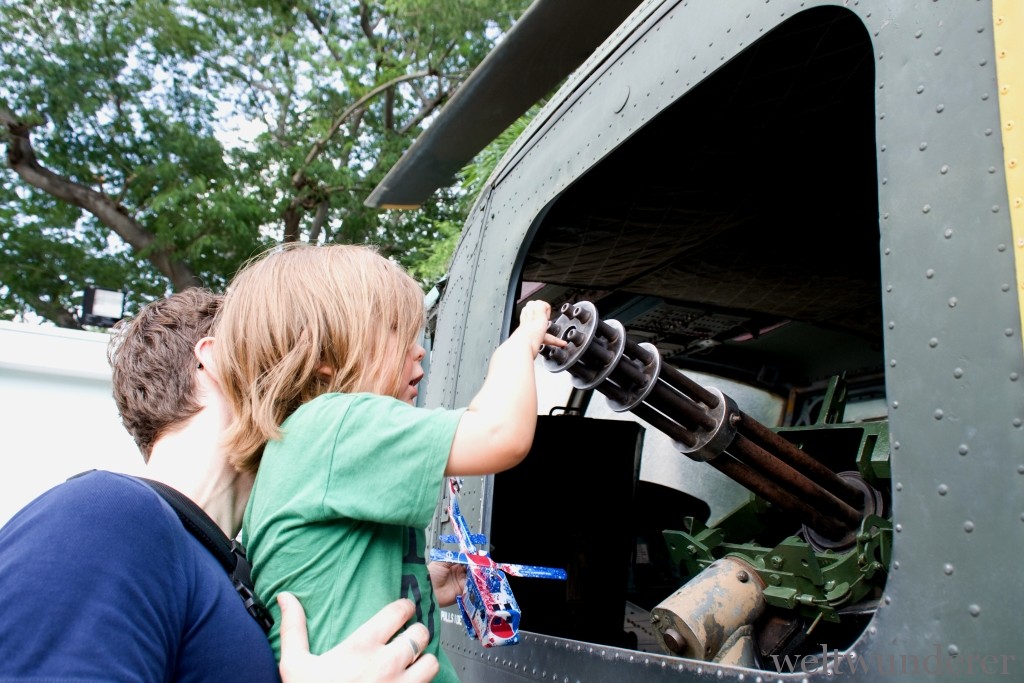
{"x":204,"y":353}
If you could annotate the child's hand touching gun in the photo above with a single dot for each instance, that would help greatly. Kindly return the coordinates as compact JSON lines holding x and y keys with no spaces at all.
{"x":533,"y":322}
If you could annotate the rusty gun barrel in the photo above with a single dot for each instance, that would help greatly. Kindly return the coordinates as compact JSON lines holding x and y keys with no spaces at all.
{"x":704,"y":424}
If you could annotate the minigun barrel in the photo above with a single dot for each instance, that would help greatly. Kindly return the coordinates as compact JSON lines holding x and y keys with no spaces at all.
{"x":705,"y":424}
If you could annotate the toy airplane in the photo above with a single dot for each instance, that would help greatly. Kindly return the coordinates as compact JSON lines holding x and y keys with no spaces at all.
{"x":489,"y":610}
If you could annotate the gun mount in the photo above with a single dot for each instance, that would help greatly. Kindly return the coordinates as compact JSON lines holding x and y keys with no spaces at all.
{"x":835,"y":555}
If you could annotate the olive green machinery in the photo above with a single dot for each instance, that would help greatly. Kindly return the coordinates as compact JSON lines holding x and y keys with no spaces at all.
{"x":821,"y":201}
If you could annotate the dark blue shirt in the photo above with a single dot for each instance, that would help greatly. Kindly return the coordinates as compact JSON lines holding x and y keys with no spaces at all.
{"x":99,"y":581}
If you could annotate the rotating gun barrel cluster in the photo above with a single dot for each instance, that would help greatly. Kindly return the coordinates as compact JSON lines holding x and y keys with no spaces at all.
{"x":705,"y":424}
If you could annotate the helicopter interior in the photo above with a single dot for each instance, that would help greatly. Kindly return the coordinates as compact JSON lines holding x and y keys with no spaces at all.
{"x":737,"y":234}
{"x":739,"y":229}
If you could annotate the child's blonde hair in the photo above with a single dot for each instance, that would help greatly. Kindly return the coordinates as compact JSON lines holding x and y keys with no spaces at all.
{"x":297,"y":310}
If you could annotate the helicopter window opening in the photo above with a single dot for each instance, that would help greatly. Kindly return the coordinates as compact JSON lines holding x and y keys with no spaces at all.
{"x":727,"y":272}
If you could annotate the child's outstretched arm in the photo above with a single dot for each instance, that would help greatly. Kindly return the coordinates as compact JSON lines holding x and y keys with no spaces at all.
{"x":496,"y":431}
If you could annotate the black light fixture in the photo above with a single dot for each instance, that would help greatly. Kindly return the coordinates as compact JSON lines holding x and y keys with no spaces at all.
{"x":102,"y":307}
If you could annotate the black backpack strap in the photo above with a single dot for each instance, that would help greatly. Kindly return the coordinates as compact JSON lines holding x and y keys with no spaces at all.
{"x":230,"y":553}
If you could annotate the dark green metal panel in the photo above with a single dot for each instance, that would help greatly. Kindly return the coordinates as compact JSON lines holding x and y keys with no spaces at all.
{"x":852,"y":216}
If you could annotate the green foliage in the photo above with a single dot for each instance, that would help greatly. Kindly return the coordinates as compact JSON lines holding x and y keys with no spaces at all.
{"x":213,"y":129}
{"x":473,"y":177}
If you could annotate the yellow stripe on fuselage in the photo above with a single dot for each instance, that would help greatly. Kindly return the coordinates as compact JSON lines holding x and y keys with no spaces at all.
{"x":1008,"y":30}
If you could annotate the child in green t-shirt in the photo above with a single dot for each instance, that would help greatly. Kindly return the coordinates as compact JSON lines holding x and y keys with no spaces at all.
{"x":317,"y":349}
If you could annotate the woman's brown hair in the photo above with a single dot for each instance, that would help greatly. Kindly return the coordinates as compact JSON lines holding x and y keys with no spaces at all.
{"x":153,"y":363}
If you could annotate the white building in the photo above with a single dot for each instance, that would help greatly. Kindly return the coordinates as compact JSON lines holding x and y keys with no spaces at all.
{"x":57,"y":415}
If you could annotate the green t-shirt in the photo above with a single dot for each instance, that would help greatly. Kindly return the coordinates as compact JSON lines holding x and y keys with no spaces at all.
{"x":338,"y":512}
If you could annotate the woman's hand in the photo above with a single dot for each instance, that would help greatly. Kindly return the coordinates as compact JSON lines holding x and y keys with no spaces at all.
{"x":370,"y":654}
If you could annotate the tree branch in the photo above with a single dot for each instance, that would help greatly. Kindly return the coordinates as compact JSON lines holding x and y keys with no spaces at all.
{"x":318,"y":220}
{"x":22,"y":160}
{"x":313,"y":19}
{"x":321,"y":144}
{"x":428,"y":107}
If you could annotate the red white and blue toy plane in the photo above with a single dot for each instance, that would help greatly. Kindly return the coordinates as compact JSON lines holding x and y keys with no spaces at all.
{"x":489,"y":610}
